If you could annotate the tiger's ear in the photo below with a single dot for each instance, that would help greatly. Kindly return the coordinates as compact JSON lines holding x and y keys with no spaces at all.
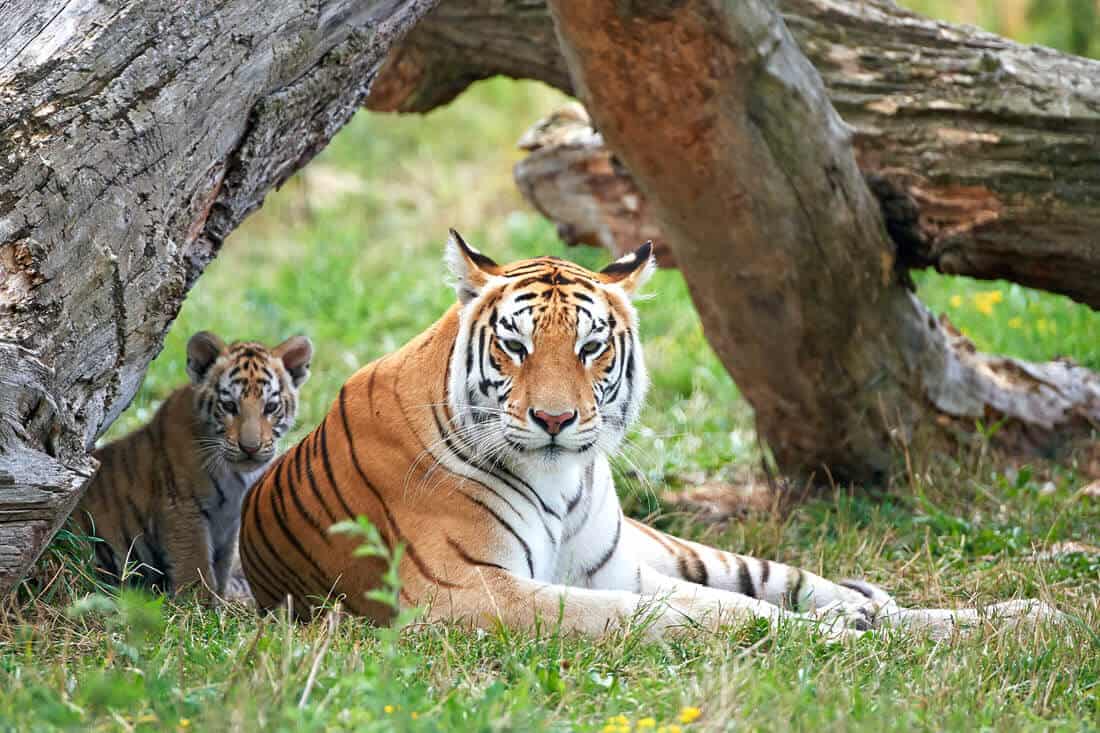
{"x":295,"y":353}
{"x":203,"y":350}
{"x":470,"y":269}
{"x":631,"y":271}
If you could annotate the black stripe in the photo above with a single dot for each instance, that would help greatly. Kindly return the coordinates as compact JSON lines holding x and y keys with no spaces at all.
{"x":256,"y":572}
{"x":744,"y":579}
{"x":292,"y":489}
{"x":606,"y":557}
{"x":278,"y":510}
{"x":466,"y":557}
{"x":289,"y":576}
{"x":792,"y":597}
{"x":523,"y":544}
{"x":312,"y":479}
{"x":457,"y":453}
{"x":326,"y":461}
{"x":857,"y":588}
{"x":410,"y":550}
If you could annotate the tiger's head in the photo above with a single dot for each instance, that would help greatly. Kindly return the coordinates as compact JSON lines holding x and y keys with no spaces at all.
{"x":245,"y":396}
{"x":547,"y":366}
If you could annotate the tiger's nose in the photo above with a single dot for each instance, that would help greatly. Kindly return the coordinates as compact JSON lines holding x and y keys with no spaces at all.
{"x":553,"y":424}
{"x":249,"y":450}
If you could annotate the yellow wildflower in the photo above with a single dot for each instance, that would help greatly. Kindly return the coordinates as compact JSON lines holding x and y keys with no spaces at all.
{"x":185,"y":723}
{"x":388,"y":708}
{"x":689,"y":714}
{"x":1016,"y":322}
{"x":956,"y":301}
{"x":646,"y":723}
{"x":414,"y":715}
{"x":615,"y":728}
{"x":985,"y":301}
{"x":618,"y":720}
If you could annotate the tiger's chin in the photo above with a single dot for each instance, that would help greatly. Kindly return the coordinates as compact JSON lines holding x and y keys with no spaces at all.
{"x":245,"y":465}
{"x":554,"y":456}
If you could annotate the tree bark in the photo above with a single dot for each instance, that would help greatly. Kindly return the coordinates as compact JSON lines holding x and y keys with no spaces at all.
{"x":752,"y":176}
{"x":134,"y":136}
{"x":984,"y":154}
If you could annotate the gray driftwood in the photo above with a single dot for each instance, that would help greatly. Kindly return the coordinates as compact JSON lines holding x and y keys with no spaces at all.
{"x":134,"y":136}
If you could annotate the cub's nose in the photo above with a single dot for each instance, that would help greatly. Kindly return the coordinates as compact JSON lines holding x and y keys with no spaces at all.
{"x":553,"y":424}
{"x":248,"y":450}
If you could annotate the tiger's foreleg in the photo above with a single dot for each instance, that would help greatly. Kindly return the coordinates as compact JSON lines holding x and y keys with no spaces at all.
{"x":774,"y":583}
{"x":664,"y":607}
{"x":190,"y":553}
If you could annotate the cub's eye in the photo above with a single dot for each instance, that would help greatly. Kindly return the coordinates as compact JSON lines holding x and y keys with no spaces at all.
{"x":228,"y":406}
{"x":516,"y":347}
{"x":591,"y":348}
{"x":271,"y":407}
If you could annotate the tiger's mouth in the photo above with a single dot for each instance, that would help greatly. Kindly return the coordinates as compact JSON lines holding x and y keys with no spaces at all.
{"x":243,"y":463}
{"x":551,"y":448}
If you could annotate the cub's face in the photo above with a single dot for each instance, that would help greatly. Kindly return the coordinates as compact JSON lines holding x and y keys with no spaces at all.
{"x":246,"y":396}
{"x":547,"y":366}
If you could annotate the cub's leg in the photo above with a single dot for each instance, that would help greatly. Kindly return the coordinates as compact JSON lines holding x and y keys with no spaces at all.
{"x":781,"y":585}
{"x":494,"y":595}
{"x":190,"y":553}
{"x":232,"y":584}
{"x":224,"y":559}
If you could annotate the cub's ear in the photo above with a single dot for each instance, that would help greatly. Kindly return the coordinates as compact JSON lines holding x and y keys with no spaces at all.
{"x":295,"y":353}
{"x":203,"y":350}
{"x":631,"y":271}
{"x":470,"y":269}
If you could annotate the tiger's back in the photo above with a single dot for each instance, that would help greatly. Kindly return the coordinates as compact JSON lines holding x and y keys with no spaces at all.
{"x":286,"y":547}
{"x":165,"y":503}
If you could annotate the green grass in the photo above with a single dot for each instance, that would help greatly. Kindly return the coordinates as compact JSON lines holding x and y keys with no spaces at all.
{"x":350,"y":253}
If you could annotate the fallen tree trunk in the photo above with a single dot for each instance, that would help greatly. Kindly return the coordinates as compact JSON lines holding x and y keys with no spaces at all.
{"x":984,"y":154}
{"x":753,"y":179}
{"x":134,"y":136}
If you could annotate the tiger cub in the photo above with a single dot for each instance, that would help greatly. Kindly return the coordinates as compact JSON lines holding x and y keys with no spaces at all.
{"x":166,"y":500}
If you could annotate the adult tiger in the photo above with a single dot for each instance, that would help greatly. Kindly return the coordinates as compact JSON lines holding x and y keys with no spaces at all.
{"x":482,"y":446}
{"x":166,"y":500}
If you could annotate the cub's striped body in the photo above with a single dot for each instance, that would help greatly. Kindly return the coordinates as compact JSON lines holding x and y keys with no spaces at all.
{"x":166,"y":500}
{"x":482,"y":447}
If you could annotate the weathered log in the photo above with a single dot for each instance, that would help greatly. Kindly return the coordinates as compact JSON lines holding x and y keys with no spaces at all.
{"x":985,"y":154}
{"x":134,"y":136}
{"x":753,"y":179}
{"x":575,"y":181}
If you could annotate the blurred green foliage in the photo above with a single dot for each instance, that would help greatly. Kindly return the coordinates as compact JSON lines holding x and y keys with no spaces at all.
{"x":1068,"y":25}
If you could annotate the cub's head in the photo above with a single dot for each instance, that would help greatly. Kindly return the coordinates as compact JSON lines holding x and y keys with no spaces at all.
{"x":246,"y":396}
{"x":547,"y":366}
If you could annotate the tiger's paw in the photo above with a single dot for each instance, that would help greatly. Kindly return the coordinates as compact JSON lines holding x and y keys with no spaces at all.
{"x":237,"y":590}
{"x":846,"y":615}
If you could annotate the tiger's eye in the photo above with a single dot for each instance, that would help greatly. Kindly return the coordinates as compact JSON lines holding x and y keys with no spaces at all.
{"x":229,"y":406}
{"x":591,"y":348}
{"x":516,"y":347}
{"x":270,"y":408}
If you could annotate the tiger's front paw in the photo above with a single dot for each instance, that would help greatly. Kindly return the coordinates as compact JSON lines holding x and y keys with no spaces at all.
{"x":237,"y":590}
{"x":846,"y":615}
